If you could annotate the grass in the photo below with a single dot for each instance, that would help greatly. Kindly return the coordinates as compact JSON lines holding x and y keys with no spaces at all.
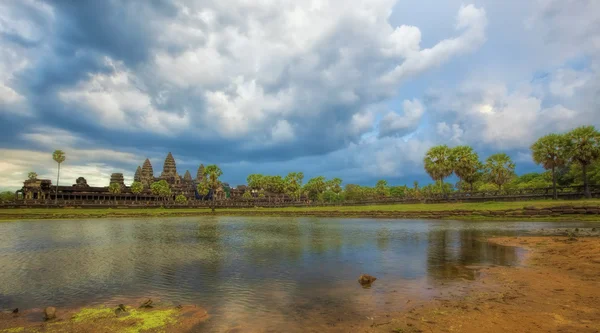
{"x":363,"y":210}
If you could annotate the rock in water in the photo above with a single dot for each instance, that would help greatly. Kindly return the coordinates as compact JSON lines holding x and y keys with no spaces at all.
{"x":366,"y":280}
{"x":121,"y":311}
{"x":147,"y":304}
{"x":49,"y":313}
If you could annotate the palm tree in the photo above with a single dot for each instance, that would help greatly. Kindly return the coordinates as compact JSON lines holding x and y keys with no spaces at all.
{"x":137,"y":188}
{"x":114,"y":188}
{"x":213,"y":172}
{"x":466,"y":164}
{"x":438,"y":163}
{"x":58,"y":156}
{"x":499,"y":169}
{"x":584,"y":148}
{"x":551,"y":152}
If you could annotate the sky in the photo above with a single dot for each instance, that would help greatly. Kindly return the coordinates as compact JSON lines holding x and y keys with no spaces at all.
{"x":357,"y":90}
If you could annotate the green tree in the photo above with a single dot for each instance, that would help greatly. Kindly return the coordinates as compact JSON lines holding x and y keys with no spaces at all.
{"x":137,"y":188}
{"x":161,"y":188}
{"x":256,"y":181}
{"x":213,"y":172}
{"x":275,"y":184}
{"x":551,"y":151}
{"x":398,"y":191}
{"x":334,"y":185}
{"x":293,"y":184}
{"x":584,"y":148}
{"x":353,"y":192}
{"x":181,"y":199}
{"x":315,"y":186}
{"x":382,"y":189}
{"x":59,"y":157}
{"x":32,"y":175}
{"x":114,"y":188}
{"x":438,"y":163}
{"x":499,"y":169}
{"x":466,"y":164}
{"x":7,"y":196}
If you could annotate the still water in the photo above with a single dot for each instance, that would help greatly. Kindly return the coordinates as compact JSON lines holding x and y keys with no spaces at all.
{"x":267,"y":273}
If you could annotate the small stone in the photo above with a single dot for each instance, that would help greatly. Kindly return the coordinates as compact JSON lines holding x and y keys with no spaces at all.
{"x":49,"y":313}
{"x":15,"y":311}
{"x":147,"y":304}
{"x":121,"y":311}
{"x":366,"y":280}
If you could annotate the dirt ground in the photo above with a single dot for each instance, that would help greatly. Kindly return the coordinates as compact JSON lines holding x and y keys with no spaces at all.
{"x":556,"y":290}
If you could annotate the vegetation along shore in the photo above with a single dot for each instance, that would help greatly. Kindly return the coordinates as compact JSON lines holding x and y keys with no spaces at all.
{"x":588,"y":210}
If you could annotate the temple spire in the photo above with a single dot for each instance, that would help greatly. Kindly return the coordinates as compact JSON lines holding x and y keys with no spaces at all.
{"x":200,"y":174}
{"x":147,"y":177}
{"x":169,"y":168}
{"x":138,"y":174}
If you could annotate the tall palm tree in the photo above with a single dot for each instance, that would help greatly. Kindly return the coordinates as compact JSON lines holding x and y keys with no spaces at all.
{"x":137,"y":188}
{"x":551,"y":152}
{"x":213,"y":172}
{"x":58,"y":156}
{"x":499,"y":169}
{"x":115,"y":189}
{"x":438,"y":163}
{"x":584,"y":147}
{"x":466,"y":164}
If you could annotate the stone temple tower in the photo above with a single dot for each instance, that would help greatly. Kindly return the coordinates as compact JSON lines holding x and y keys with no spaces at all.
{"x":138,"y":174}
{"x":200,"y":173}
{"x":169,"y":168}
{"x":147,"y":177}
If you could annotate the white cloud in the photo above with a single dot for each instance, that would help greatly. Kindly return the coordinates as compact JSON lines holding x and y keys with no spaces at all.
{"x":450,"y":133}
{"x":488,"y":115}
{"x":257,"y":64}
{"x":566,"y":82}
{"x":393,"y":124}
{"x":470,"y":18}
{"x":119,"y":101}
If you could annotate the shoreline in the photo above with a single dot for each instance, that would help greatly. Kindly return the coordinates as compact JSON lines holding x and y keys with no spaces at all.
{"x":581,"y":210}
{"x":554,"y":290}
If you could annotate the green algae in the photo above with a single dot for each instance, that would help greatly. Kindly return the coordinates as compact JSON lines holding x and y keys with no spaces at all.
{"x":87,"y":314}
{"x":147,"y":320}
{"x":13,"y":330}
{"x":134,"y":320}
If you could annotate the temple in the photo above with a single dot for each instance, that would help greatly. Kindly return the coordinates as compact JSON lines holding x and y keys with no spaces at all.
{"x":42,"y":189}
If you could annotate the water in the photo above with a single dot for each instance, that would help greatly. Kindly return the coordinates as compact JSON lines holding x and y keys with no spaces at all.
{"x":264,"y":273}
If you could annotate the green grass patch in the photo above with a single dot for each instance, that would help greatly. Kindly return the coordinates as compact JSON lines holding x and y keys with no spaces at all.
{"x":358,"y":210}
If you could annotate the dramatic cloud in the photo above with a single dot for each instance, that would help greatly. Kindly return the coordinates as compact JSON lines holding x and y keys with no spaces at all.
{"x":358,"y":91}
{"x":395,"y":124}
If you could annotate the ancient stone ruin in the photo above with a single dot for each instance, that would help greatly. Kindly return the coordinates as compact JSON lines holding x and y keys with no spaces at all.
{"x":42,"y":189}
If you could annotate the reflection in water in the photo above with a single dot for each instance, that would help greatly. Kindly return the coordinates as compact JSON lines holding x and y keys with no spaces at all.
{"x":260,"y":272}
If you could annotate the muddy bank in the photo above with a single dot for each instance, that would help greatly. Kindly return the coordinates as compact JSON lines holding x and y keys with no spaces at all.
{"x":111,"y":317}
{"x":556,"y":290}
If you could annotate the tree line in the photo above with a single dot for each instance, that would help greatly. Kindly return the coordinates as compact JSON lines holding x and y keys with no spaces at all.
{"x":571,"y":158}
{"x":576,"y":150}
